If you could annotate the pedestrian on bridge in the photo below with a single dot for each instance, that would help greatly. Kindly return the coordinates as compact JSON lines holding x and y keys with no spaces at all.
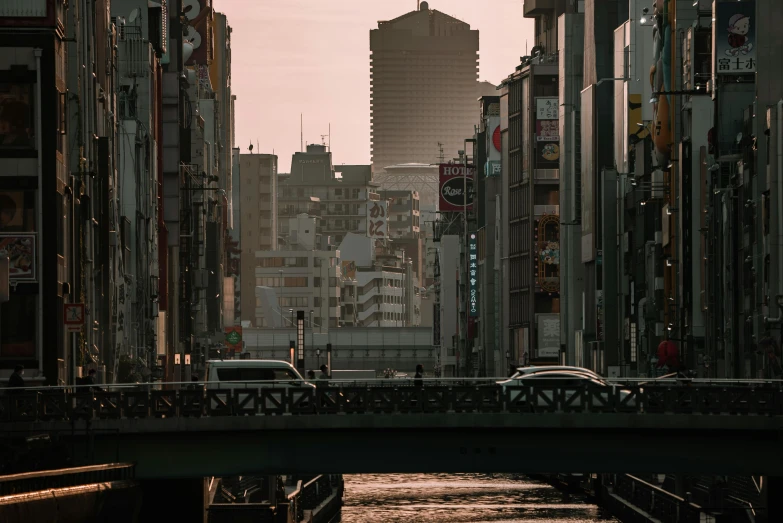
{"x":323,"y":377}
{"x":418,"y":379}
{"x":16,"y":381}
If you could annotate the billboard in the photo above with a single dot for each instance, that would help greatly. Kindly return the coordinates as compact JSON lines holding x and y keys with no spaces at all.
{"x":198,"y":31}
{"x":377,"y":219}
{"x":735,"y":37}
{"x":349,"y":269}
{"x":492,"y":167}
{"x":453,"y":180}
{"x":547,"y":133}
{"x":548,"y":328}
{"x":19,"y":248}
{"x":234,"y":338}
{"x":547,"y":108}
{"x":473,"y":306}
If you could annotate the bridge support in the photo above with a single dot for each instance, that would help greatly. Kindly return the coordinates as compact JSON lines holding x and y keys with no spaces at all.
{"x":174,"y":500}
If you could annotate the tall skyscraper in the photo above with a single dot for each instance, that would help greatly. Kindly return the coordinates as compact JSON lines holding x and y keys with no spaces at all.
{"x":423,"y":88}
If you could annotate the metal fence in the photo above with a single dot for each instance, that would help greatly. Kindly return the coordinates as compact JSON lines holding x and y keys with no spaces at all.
{"x":65,"y":405}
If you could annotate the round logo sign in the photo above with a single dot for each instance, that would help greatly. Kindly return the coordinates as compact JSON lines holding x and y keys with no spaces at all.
{"x":233,"y":337}
{"x":496,"y":138}
{"x":452,"y":191}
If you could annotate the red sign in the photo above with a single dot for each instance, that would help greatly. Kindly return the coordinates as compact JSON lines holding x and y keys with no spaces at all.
{"x":234,"y":338}
{"x":496,"y":138}
{"x":73,"y":316}
{"x":456,"y":184}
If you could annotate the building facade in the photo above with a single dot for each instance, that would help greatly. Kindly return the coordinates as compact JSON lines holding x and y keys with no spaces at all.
{"x":258,"y":218}
{"x":424,"y":84}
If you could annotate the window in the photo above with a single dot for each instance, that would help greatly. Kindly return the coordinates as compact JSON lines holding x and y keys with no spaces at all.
{"x":292,"y":301}
{"x":17,"y":114}
{"x":284,"y":262}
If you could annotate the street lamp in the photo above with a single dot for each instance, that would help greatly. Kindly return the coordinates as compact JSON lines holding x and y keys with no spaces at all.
{"x":318,"y":356}
{"x":292,"y":316}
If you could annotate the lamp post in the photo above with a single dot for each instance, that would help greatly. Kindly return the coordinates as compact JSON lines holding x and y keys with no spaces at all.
{"x":280,"y":305}
{"x":318,"y":357}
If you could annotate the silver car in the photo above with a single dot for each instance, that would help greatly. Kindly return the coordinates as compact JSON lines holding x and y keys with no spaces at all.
{"x":570,"y":380}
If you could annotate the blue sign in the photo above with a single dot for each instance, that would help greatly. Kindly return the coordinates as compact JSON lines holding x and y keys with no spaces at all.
{"x":473,"y":305}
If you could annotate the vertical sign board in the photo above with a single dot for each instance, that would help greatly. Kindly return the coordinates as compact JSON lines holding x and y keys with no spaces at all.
{"x":377,"y":219}
{"x":300,"y":341}
{"x":548,"y":335}
{"x":473,"y":307}
{"x":547,"y":133}
{"x":735,"y":37}
{"x":492,"y":167}
{"x":454,"y":179}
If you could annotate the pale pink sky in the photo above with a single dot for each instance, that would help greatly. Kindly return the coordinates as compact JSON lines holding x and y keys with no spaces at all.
{"x":313,"y":57}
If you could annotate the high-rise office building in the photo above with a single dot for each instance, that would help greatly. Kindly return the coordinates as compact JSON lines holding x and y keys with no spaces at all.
{"x":424,"y":86}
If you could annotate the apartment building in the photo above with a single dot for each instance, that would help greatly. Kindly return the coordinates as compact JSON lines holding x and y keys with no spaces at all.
{"x":258,"y":217}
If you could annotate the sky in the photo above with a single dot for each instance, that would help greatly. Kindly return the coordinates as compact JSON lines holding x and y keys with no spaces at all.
{"x":313,"y":57}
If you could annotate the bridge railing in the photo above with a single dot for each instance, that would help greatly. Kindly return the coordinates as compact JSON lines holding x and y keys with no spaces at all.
{"x":63,"y":478}
{"x":543,"y":397}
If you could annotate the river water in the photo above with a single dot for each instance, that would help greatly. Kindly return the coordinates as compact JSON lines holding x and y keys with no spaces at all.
{"x":457,"y":498}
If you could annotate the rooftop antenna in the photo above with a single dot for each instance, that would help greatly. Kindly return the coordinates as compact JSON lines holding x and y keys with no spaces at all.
{"x":250,"y":147}
{"x":330,"y":136}
{"x":258,"y":146}
{"x":301,"y":133}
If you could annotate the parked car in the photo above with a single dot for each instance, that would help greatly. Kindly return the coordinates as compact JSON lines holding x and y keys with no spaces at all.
{"x":524,"y":371}
{"x":247,"y":374}
{"x":570,"y":380}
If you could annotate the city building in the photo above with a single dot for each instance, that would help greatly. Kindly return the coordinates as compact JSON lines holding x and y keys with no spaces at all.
{"x":305,"y":275}
{"x":530,"y":177}
{"x":36,"y":189}
{"x":423,"y":87}
{"x":383,"y":294}
{"x":258,"y":219}
{"x":405,"y":228}
{"x":338,"y":195}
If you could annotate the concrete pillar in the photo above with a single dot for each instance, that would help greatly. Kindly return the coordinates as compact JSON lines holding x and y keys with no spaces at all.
{"x":772,"y":497}
{"x":173,"y":500}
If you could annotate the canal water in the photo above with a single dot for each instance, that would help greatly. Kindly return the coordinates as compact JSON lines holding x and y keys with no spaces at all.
{"x":458,"y":498}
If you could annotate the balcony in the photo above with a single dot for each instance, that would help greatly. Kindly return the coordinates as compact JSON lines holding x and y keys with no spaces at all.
{"x":533,"y":8}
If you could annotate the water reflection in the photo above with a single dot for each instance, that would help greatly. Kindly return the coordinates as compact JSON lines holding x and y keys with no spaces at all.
{"x":455,"y":498}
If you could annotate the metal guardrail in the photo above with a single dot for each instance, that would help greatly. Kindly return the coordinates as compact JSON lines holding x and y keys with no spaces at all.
{"x":63,"y":478}
{"x":655,"y":501}
{"x":60,"y":405}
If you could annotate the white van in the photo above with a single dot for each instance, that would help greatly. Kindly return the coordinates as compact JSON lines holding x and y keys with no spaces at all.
{"x":242,"y":374}
{"x":248,"y":374}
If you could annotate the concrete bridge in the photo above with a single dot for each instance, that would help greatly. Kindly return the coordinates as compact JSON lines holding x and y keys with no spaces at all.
{"x":535,"y":429}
